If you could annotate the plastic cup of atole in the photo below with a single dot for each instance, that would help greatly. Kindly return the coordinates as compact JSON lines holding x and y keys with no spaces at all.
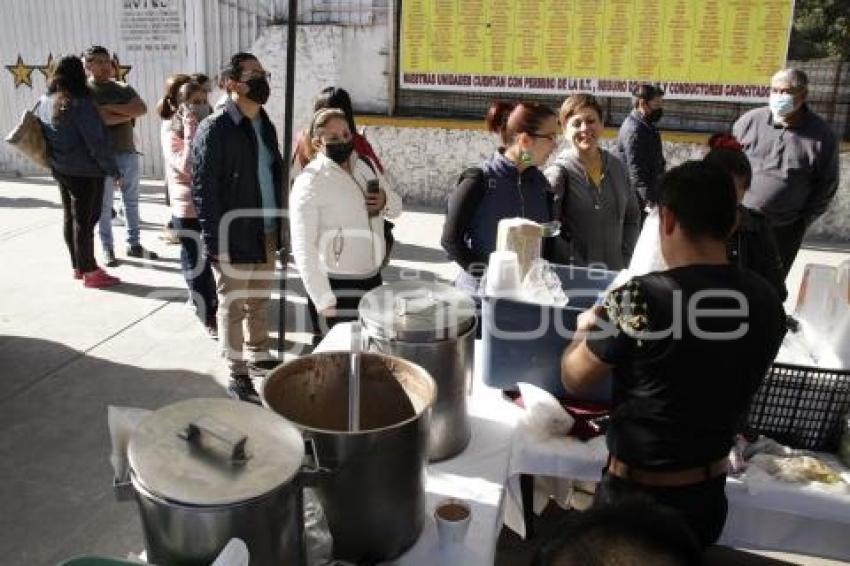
{"x":453,"y":517}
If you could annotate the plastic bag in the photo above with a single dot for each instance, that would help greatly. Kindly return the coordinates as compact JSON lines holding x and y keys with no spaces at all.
{"x":647,"y":256}
{"x":543,"y":413}
{"x":542,"y":285}
{"x":317,"y":533}
{"x":122,"y":422}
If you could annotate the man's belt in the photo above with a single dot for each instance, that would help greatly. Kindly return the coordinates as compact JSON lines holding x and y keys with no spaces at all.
{"x":671,"y":478}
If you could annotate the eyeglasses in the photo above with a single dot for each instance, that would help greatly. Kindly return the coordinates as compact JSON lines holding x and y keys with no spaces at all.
{"x":551,"y":137}
{"x":336,"y":139}
{"x":784,"y":90}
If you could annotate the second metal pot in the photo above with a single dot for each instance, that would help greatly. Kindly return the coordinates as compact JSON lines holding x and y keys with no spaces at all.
{"x":433,"y":325}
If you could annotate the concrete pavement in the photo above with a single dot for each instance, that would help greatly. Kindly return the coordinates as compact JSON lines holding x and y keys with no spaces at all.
{"x":67,"y":352}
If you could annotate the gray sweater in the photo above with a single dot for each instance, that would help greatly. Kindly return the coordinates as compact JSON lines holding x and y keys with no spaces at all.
{"x":599,"y":225}
{"x":795,"y":169}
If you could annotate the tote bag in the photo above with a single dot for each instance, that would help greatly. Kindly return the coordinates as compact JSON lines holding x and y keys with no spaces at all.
{"x":28,"y":138}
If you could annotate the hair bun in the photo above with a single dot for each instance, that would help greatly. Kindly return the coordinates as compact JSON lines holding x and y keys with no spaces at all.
{"x":724,"y":141}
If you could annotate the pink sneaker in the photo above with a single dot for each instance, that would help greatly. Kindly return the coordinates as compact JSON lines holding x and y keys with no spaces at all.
{"x":98,"y":279}
{"x":78,"y":274}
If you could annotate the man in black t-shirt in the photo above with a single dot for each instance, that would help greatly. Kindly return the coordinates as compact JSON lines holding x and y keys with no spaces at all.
{"x":689,"y":347}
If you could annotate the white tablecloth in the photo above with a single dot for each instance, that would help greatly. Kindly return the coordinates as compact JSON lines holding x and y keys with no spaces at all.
{"x":763,"y":513}
{"x":477,"y":475}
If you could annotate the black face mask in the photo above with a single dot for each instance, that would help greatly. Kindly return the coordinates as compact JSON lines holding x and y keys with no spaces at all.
{"x":655,"y":115}
{"x":339,"y":152}
{"x":260,"y":90}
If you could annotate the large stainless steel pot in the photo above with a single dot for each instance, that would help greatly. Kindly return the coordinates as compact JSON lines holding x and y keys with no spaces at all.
{"x":207,"y":470}
{"x":433,"y":325}
{"x":374,"y":495}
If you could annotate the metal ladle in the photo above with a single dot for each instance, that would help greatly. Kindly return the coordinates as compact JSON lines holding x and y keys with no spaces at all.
{"x":354,"y":380}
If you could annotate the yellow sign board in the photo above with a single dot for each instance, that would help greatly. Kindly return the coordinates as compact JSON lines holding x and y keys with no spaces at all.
{"x":699,"y":49}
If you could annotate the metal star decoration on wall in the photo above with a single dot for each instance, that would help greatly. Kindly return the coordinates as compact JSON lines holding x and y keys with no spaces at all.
{"x":21,"y":72}
{"x":48,"y":68}
{"x":123,"y":70}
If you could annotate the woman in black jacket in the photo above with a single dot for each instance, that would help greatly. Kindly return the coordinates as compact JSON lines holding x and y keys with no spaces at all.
{"x":752,"y":245}
{"x":80,"y":157}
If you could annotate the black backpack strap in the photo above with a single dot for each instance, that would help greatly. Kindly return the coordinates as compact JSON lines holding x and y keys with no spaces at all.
{"x":480,"y":179}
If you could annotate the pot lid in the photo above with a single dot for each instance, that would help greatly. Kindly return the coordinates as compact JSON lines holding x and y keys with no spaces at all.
{"x":417,"y":311}
{"x":214,"y":452}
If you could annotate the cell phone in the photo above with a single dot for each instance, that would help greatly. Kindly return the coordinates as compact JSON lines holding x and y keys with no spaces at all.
{"x":372,"y":187}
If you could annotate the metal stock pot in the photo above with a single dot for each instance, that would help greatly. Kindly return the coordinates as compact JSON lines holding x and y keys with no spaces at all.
{"x":374,"y":495}
{"x":433,"y":325}
{"x":207,"y":470}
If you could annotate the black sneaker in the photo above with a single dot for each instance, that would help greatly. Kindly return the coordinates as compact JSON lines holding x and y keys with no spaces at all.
{"x":140,"y":252}
{"x":261,"y":368}
{"x":242,"y":388}
{"x":109,"y":258}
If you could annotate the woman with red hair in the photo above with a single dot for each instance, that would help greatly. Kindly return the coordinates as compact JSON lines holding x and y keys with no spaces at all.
{"x":509,"y":184}
{"x":752,"y":245}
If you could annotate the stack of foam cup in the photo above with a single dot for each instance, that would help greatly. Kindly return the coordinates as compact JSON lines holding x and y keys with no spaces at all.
{"x":503,"y":278}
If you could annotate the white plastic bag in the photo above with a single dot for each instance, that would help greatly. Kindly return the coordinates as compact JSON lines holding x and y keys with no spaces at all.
{"x":543,"y":413}
{"x":647,"y":254}
{"x":122,"y":422}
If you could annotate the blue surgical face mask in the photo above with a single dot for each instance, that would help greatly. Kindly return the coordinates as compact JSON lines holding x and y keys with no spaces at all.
{"x":781,"y":104}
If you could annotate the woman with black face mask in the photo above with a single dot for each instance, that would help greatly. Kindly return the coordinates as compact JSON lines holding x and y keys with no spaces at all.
{"x":337,"y":209}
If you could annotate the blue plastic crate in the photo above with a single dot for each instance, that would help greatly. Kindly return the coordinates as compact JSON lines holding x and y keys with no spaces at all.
{"x":524,"y":341}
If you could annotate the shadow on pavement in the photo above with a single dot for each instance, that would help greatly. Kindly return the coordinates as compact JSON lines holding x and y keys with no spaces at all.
{"x":171,"y":294}
{"x":412,"y":252}
{"x":27,"y":202}
{"x":161,"y":264}
{"x":54,"y":449}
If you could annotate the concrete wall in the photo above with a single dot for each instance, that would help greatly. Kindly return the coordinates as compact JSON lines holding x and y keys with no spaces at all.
{"x":355,"y":58}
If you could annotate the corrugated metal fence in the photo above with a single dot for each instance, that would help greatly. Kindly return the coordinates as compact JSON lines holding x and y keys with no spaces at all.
{"x":184,"y":36}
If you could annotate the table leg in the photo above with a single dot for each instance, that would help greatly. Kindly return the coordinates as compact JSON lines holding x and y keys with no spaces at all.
{"x":526,"y":488}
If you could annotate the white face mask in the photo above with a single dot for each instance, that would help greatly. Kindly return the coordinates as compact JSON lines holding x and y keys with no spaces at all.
{"x":200,"y":111}
{"x":781,"y":104}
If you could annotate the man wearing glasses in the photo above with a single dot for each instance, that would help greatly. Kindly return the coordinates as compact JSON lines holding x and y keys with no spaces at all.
{"x":237,"y":184}
{"x":794,"y":156}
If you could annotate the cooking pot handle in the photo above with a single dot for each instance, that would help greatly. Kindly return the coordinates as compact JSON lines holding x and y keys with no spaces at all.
{"x":311,"y":469}
{"x":231,"y":439}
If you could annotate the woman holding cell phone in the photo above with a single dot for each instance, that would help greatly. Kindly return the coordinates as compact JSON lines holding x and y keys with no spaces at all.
{"x":337,"y":207}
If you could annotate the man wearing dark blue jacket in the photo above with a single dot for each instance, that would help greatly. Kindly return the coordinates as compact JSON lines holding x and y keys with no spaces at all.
{"x":237,"y":185}
{"x":639,"y":144}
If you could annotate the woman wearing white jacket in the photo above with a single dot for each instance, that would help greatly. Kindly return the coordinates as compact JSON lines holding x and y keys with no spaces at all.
{"x":337,"y":208}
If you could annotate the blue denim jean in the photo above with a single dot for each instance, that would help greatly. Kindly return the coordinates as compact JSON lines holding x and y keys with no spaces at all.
{"x":196,"y":269}
{"x":128,"y":165}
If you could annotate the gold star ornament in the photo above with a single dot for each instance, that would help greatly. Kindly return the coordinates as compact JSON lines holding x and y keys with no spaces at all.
{"x":48,"y":68}
{"x":21,"y":72}
{"x":123,"y":70}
